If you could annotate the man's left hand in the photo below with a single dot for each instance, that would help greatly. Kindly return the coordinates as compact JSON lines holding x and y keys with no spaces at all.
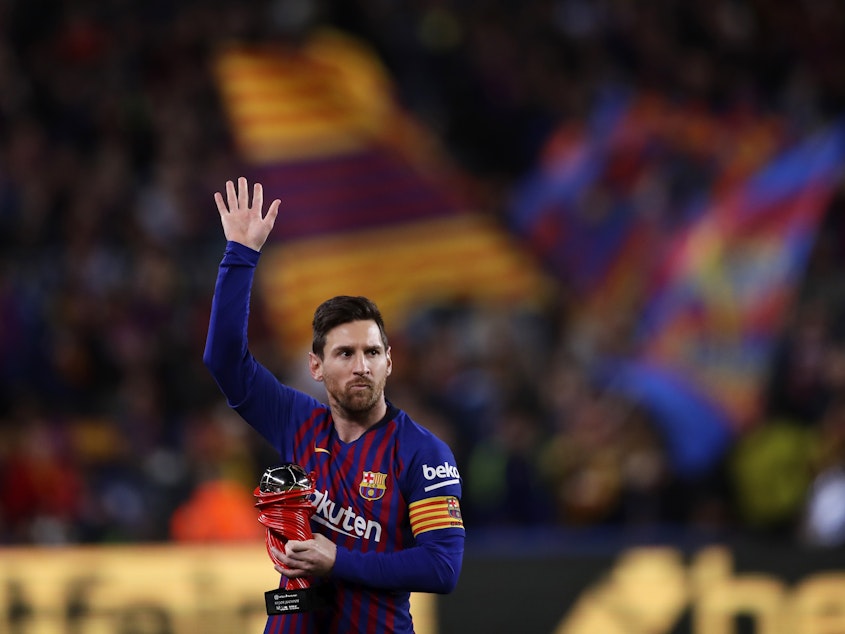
{"x":309,"y":558}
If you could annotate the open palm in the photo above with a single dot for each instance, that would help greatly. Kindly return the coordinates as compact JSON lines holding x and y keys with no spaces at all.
{"x":242,"y":222}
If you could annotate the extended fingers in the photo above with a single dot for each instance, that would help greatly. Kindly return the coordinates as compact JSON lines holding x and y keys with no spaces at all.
{"x":231,"y":196}
{"x":240,"y":198}
{"x":243,"y":194}
{"x":273,"y":211}
{"x":236,"y":201}
{"x":258,"y":204}
{"x":257,"y":197}
{"x":221,"y":205}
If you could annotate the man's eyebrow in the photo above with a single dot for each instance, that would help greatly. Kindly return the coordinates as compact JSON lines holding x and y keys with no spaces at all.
{"x":344,"y":347}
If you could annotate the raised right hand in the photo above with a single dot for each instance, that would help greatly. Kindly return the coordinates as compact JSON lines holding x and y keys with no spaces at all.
{"x":244,"y":223}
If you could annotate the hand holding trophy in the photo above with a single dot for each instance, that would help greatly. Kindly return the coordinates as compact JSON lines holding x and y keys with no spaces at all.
{"x":285,"y":510}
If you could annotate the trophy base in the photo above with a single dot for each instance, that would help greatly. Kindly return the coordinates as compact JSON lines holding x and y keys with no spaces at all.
{"x":281,"y":601}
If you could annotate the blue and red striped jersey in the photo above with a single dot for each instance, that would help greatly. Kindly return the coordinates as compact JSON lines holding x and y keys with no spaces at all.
{"x":390,"y":500}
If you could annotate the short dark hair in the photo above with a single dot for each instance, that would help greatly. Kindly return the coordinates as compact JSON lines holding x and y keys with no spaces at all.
{"x":341,"y":310}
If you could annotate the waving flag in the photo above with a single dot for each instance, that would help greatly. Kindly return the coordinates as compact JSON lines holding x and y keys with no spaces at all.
{"x":609,"y":192}
{"x":367,"y":206}
{"x":644,"y":215}
{"x":583,"y":236}
{"x":727,"y":281}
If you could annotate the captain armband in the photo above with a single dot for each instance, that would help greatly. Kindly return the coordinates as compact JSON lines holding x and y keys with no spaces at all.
{"x":434,"y":513}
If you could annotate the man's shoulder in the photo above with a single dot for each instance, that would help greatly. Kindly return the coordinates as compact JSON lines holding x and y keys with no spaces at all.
{"x":417,"y":436}
{"x":305,"y":403}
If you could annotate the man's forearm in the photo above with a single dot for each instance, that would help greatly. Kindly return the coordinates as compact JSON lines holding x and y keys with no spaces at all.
{"x":428,"y":567}
{"x":226,"y":354}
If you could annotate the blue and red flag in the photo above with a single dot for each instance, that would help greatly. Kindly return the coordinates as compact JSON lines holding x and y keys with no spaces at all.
{"x":727,"y":281}
{"x":720,"y":300}
{"x":695,"y":229}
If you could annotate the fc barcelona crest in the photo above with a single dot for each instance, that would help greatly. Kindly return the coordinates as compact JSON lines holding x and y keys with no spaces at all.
{"x":373,"y":485}
{"x":454,"y":508}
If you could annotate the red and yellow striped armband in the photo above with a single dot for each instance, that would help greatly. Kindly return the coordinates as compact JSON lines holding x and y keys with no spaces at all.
{"x":433,"y":513}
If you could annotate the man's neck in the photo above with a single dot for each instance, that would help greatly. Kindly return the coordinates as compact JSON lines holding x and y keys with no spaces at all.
{"x":351,"y":427}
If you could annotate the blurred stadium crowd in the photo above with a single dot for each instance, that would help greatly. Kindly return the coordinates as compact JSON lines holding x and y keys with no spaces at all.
{"x":112,"y":141}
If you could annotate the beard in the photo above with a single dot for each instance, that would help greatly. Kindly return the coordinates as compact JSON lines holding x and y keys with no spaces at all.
{"x":355,"y":402}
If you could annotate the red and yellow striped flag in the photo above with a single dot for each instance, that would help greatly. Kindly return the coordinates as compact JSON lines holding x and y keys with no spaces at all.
{"x":368,"y":207}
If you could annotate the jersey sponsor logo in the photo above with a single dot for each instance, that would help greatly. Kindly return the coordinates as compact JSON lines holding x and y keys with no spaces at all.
{"x":441,"y":471}
{"x":373,"y":485}
{"x":343,"y":519}
{"x":435,"y":513}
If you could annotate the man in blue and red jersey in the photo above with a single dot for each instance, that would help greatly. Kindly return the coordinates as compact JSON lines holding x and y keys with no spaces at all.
{"x":387,"y":499}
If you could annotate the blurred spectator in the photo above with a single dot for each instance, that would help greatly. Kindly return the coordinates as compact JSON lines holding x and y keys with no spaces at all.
{"x":771,"y":469}
{"x":218,"y":511}
{"x":41,"y":493}
{"x":503,"y":482}
{"x":821,"y":521}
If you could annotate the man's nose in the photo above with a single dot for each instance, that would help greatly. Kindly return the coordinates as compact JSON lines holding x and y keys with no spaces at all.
{"x":361,"y":366}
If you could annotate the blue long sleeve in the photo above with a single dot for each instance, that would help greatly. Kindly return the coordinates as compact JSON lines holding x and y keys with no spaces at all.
{"x":432,"y":565}
{"x":226,"y":354}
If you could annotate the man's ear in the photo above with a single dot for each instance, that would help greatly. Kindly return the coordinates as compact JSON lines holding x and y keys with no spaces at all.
{"x":389,"y":361}
{"x":315,"y":365}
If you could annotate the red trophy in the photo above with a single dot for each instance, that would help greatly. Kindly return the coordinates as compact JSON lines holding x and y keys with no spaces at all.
{"x":285,"y":510}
